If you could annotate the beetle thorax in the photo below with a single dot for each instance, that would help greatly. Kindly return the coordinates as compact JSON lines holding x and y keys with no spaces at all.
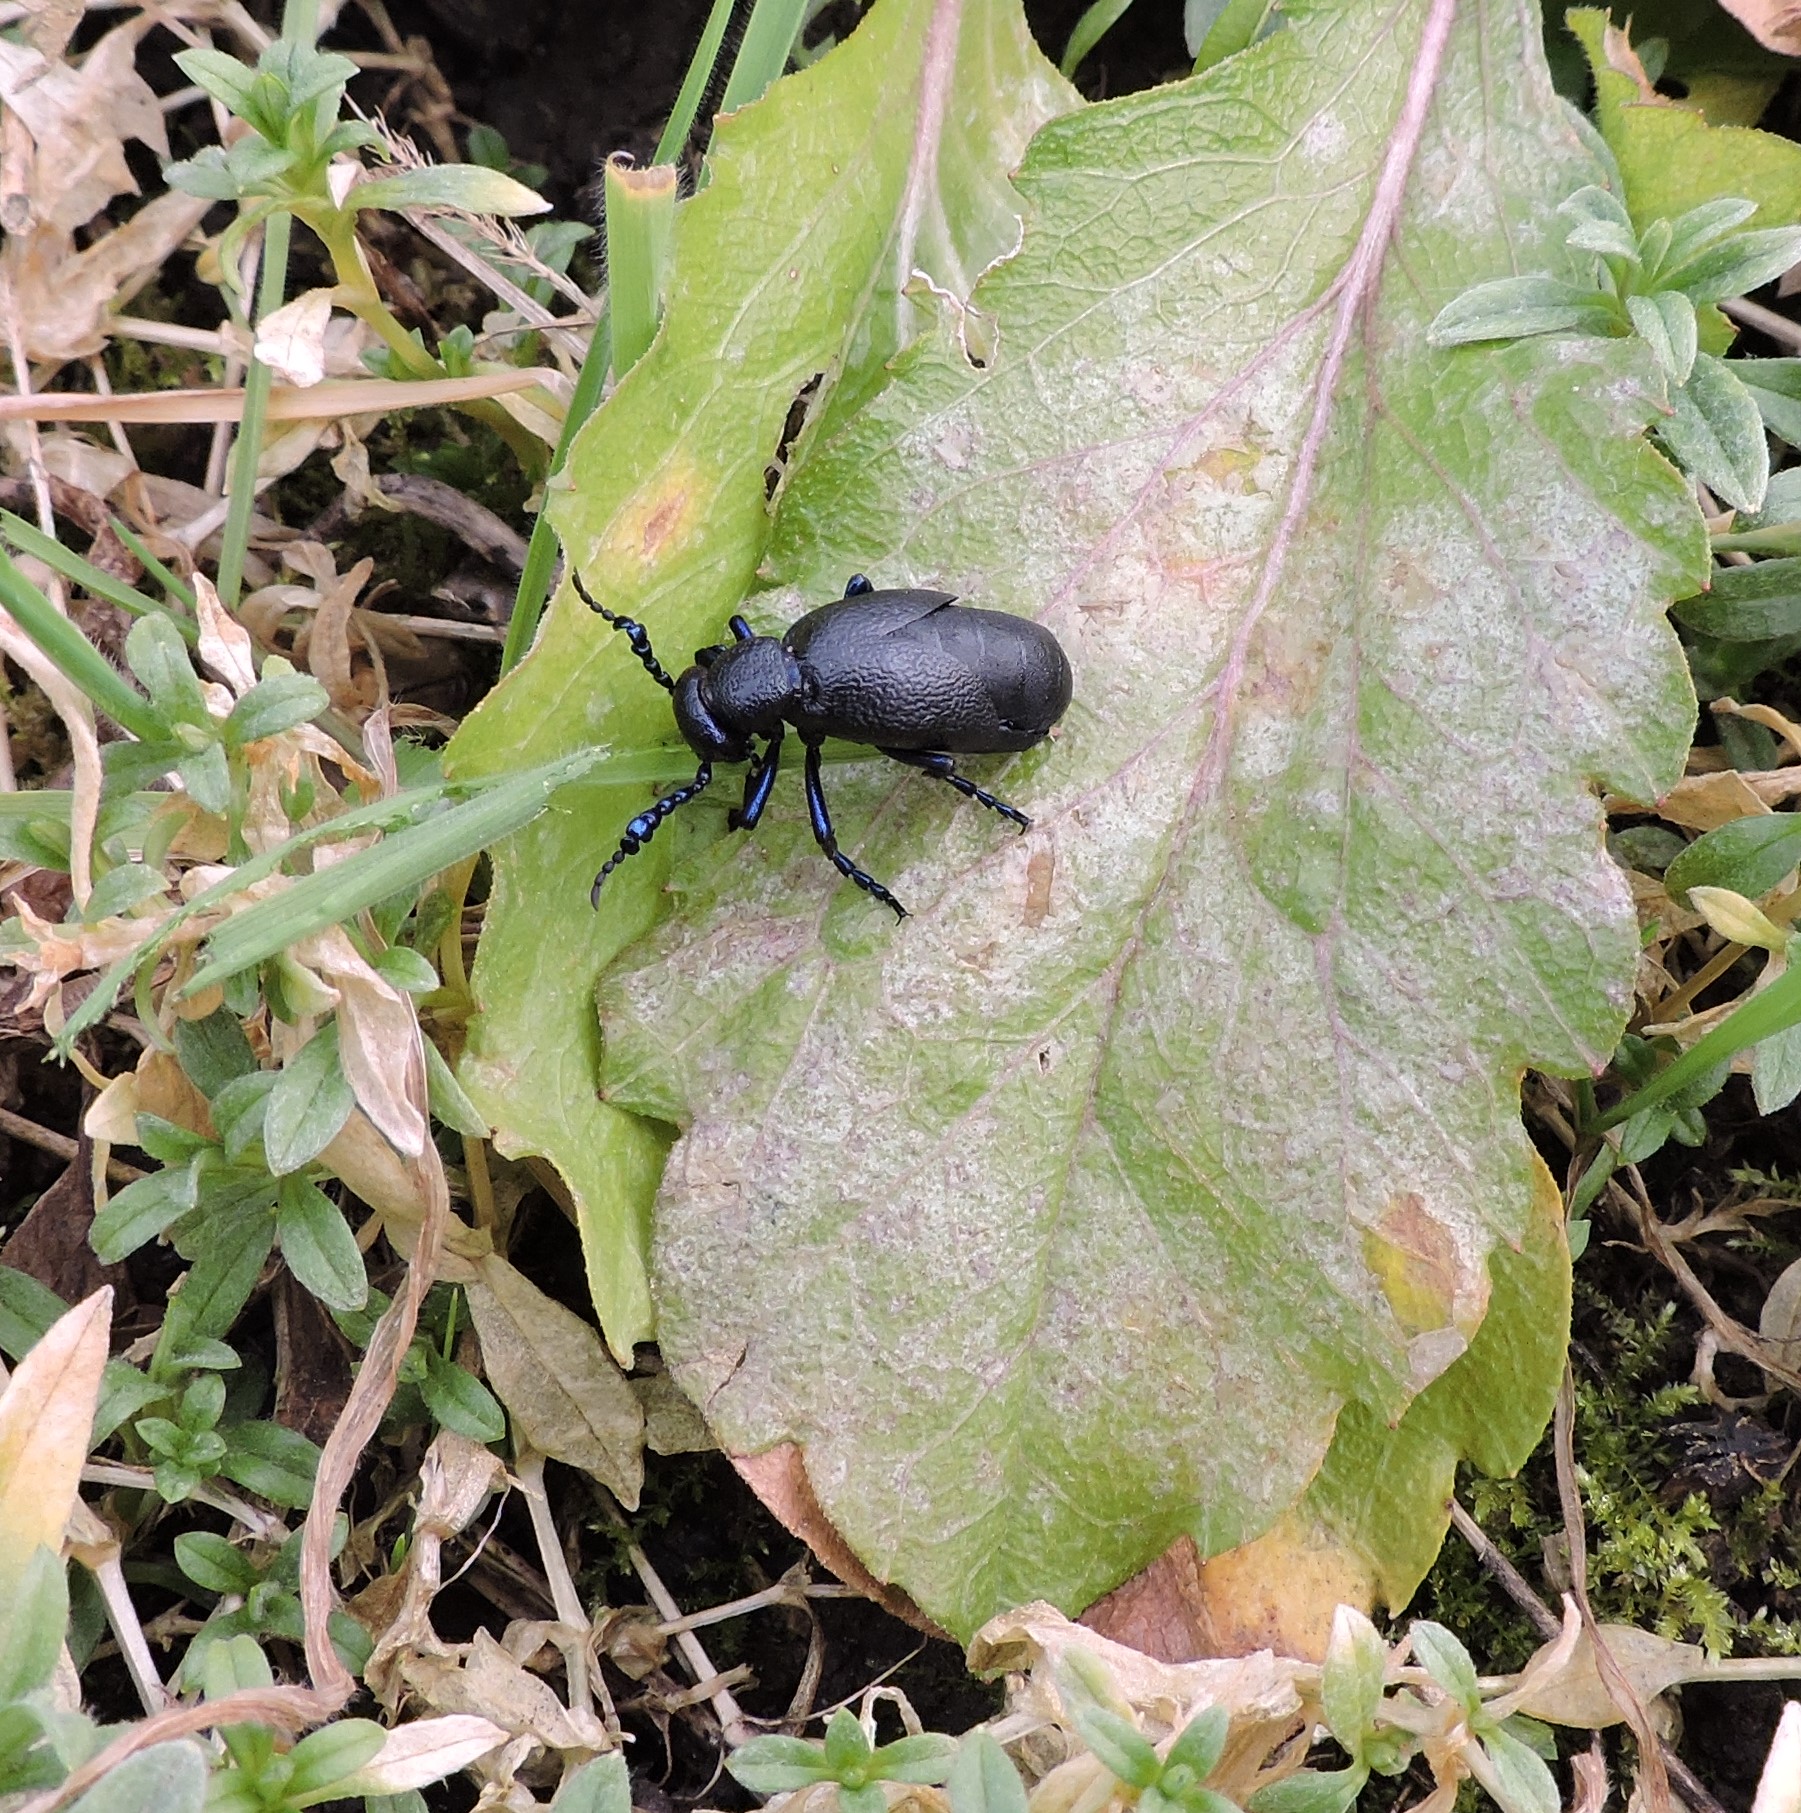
{"x":751,"y":687}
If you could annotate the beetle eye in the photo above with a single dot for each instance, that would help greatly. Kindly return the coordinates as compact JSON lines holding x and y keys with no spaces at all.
{"x":705,"y":657}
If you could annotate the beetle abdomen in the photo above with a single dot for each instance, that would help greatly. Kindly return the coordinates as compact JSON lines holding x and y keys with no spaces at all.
{"x":912,"y":670}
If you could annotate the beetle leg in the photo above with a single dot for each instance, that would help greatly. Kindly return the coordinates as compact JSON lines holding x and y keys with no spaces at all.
{"x":822,"y":831}
{"x":643,"y":828}
{"x":634,"y":632}
{"x":757,"y":785}
{"x":941,"y":768}
{"x":856,"y":586}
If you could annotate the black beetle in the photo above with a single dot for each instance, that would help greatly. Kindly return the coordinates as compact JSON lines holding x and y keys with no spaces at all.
{"x":912,"y":672}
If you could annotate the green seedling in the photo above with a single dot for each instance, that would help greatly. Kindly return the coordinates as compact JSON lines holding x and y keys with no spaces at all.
{"x":1660,"y":285}
{"x":256,"y":1596}
{"x":257,"y":1777}
{"x":847,"y":1756}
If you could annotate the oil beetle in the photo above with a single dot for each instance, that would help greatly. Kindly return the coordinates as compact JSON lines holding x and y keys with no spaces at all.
{"x":912,"y":672}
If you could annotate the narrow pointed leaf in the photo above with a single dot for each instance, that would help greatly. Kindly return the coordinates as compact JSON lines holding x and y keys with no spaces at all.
{"x":1509,"y":308}
{"x":1716,"y":433}
{"x":1666,"y":324}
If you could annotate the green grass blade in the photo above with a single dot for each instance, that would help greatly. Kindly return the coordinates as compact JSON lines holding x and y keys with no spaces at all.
{"x":401,"y":861}
{"x":641,"y":768}
{"x":541,"y":551}
{"x":1768,"y":1012}
{"x":1093,"y":25}
{"x":168,"y":579}
{"x":74,"y":656}
{"x":694,"y":84}
{"x":768,"y":40}
{"x":640,"y":213}
{"x":31,"y":540}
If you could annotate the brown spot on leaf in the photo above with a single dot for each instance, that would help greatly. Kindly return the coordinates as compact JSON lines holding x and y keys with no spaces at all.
{"x":653,"y":520}
{"x":1040,"y":870}
{"x":1416,"y":1263}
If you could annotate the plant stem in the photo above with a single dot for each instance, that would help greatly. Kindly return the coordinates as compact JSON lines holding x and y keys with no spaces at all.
{"x":694,"y":84}
{"x":763,"y":55}
{"x":235,"y":541}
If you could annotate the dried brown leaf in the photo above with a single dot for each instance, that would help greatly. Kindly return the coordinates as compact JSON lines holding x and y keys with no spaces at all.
{"x":378,"y":1039}
{"x":1574,"y":1694}
{"x":46,"y":1420}
{"x":79,"y":117}
{"x":457,"y":1478}
{"x":489,"y":1682}
{"x":554,"y":1374}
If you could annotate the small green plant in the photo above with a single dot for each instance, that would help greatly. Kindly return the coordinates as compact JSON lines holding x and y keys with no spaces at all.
{"x":292,"y":102}
{"x":257,"y":1776}
{"x":257,"y":1595}
{"x":848,"y":1756}
{"x":1659,"y":285}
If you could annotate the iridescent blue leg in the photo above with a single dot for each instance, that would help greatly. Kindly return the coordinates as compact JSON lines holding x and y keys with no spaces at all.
{"x":757,"y":786}
{"x":822,"y":831}
{"x":634,"y":632}
{"x":643,"y":828}
{"x":940,"y":768}
{"x":856,"y":586}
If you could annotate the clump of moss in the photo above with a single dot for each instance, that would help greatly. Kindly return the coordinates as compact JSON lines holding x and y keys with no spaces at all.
{"x":1714,"y":1564}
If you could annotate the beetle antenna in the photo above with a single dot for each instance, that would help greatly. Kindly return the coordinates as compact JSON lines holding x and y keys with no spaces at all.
{"x":642,"y":828}
{"x":634,"y":632}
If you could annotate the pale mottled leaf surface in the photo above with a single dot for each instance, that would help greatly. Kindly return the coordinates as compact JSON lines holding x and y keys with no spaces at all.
{"x":891,"y":154}
{"x":1065,"y":1218}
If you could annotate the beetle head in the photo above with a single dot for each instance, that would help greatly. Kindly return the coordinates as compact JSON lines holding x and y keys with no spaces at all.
{"x":711,"y":740}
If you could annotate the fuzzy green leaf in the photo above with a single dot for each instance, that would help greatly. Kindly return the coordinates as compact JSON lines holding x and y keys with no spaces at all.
{"x":468,"y":188}
{"x":308,"y":1104}
{"x":1666,"y":323}
{"x":319,"y":1247}
{"x":1716,"y":433}
{"x":1509,"y":308}
{"x":1147,"y":1116}
{"x":983,"y":1778}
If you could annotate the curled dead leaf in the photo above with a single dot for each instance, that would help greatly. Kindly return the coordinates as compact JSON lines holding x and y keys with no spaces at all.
{"x":291,"y":340}
{"x":378,"y":1039}
{"x":1573,"y":1694}
{"x":457,"y":1478}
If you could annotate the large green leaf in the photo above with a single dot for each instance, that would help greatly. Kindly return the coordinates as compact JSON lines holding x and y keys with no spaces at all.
{"x":888,"y":157}
{"x":1068,"y":1216}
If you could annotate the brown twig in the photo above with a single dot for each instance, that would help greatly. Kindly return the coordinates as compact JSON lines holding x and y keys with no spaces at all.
{"x":62,"y":1146}
{"x":1731,"y":1333}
